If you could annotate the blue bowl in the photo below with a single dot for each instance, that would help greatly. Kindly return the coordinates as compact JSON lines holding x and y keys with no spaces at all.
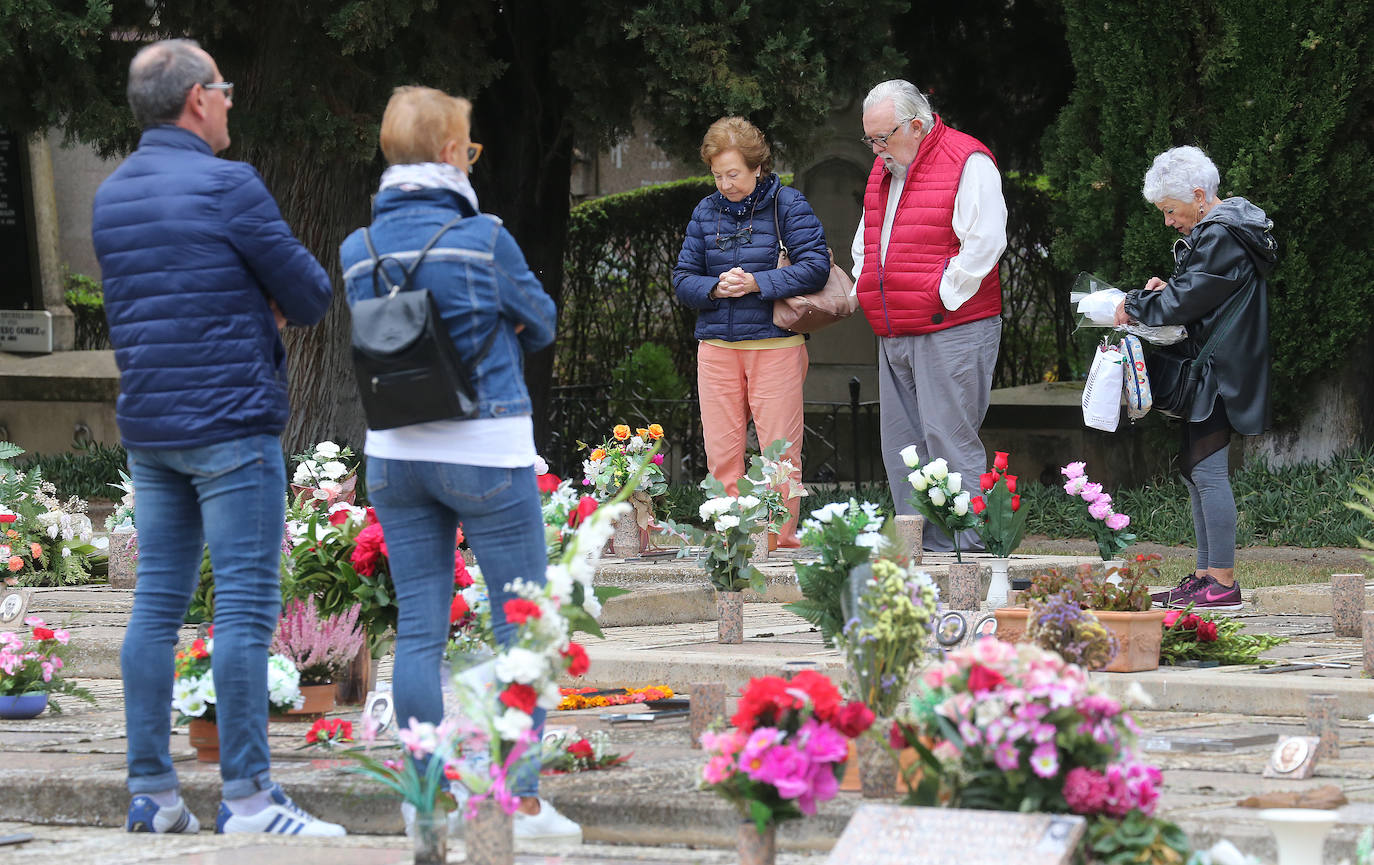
{"x":23,"y":706}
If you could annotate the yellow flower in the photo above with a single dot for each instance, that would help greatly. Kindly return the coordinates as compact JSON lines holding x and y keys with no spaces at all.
{"x":621,"y":432}
{"x":655,"y":431}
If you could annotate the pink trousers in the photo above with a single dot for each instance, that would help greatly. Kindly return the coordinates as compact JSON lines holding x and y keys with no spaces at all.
{"x":765,"y":384}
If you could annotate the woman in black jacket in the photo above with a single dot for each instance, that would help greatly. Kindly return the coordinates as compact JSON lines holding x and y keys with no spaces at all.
{"x":1222,"y":261}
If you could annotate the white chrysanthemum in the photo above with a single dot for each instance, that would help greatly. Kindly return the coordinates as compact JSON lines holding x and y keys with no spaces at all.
{"x":302,"y":476}
{"x":830,"y":511}
{"x":326,"y":450}
{"x":711,"y":507}
{"x":521,"y":665}
{"x":726,"y":521}
{"x":334,"y":470}
{"x":512,"y":724}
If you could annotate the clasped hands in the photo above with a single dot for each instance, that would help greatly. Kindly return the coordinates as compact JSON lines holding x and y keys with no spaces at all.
{"x":735,"y":282}
{"x":1120,"y":319}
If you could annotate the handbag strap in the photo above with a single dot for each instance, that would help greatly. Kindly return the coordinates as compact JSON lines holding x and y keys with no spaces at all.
{"x":777,"y":222}
{"x":1215,"y":339}
{"x":378,"y":263}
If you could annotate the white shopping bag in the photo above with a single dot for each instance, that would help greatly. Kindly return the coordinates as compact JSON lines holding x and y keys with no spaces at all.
{"x":1102,"y":393}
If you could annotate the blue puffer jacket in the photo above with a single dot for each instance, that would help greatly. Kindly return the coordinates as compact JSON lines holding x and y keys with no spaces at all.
{"x":191,"y":249}
{"x":478,"y":277}
{"x":702,"y":261}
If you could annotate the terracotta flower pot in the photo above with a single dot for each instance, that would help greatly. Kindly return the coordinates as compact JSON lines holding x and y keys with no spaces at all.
{"x":205,"y":739}
{"x":1137,"y":634}
{"x":347,"y":489}
{"x":319,"y":698}
{"x":852,"y":779}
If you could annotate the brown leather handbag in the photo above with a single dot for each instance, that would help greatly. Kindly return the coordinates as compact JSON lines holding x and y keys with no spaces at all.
{"x":808,"y":313}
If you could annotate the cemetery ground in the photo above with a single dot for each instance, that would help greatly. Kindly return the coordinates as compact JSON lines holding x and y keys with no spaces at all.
{"x":1210,"y":730}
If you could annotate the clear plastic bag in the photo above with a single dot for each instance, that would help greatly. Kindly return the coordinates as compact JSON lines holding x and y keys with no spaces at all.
{"x":1096,"y":301}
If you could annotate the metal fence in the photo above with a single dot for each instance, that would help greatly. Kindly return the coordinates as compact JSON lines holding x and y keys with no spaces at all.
{"x":840,"y":446}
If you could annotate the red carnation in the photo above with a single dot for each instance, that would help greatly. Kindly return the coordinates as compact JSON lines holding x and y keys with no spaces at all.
{"x":982,"y":679}
{"x":1206,"y":632}
{"x":548,"y":482}
{"x":896,"y":736}
{"x":519,"y":697}
{"x":585,"y":506}
{"x":339,"y":517}
{"x":198,"y":649}
{"x":41,"y":633}
{"x":457,"y":610}
{"x":8,"y":518}
{"x":578,"y":662}
{"x":977,"y":505}
{"x":999,"y":461}
{"x":1015,"y":504}
{"x":987,"y":481}
{"x":461,"y":578}
{"x":372,"y":516}
{"x":210,"y":631}
{"x":853,"y":718}
{"x":763,"y":700}
{"x":518,"y":610}
{"x":825,"y":697}
{"x":581,"y":749}
{"x":1011,"y":483}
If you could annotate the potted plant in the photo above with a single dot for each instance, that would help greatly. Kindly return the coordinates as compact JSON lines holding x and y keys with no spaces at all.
{"x":1058,"y":623}
{"x":1107,"y":525}
{"x":1001,"y":523}
{"x":1016,"y":728}
{"x":326,"y":473}
{"x":123,"y":537}
{"x":193,"y":693}
{"x":44,"y":541}
{"x":31,"y":672}
{"x":625,"y":456}
{"x":889,"y":613}
{"x":784,"y":755}
{"x":1124,"y":608}
{"x":846,"y":535}
{"x":321,"y":647}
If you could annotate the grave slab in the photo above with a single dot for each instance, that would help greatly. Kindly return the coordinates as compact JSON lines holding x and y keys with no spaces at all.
{"x":894,"y":835}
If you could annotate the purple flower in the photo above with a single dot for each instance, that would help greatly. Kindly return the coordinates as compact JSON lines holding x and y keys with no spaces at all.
{"x":1045,"y":760}
{"x":821,"y":787}
{"x":1085,"y":791}
{"x":1007,"y":757}
{"x":786,"y":768}
{"x":1117,"y":522}
{"x":658,"y":459}
{"x":822,"y":742}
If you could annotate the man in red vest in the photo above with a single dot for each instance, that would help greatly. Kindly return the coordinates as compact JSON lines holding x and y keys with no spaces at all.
{"x":925,"y":267}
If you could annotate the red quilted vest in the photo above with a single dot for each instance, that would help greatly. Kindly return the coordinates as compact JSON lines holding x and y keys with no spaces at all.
{"x":901,"y":296}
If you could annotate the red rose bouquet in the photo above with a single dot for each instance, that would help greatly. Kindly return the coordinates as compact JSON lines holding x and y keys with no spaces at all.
{"x":1002,"y":520}
{"x":1207,"y":637}
{"x":787,"y":750}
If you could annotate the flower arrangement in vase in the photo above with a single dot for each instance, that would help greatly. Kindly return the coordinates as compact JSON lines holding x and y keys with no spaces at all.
{"x":890,"y":610}
{"x":1108,"y":527}
{"x":565,"y":754}
{"x":193,"y":688}
{"x":31,"y":672}
{"x":629,"y":458}
{"x":1016,"y":728}
{"x":1001,"y":519}
{"x":326,"y":473}
{"x":939,"y":496}
{"x":43,"y":541}
{"x":847,"y":535}
{"x":785,"y":753}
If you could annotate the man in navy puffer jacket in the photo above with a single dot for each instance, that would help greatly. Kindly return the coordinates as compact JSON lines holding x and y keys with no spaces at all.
{"x":199,"y":272}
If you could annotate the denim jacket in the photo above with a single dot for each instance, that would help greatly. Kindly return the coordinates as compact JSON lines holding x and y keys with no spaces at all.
{"x":479,"y":280}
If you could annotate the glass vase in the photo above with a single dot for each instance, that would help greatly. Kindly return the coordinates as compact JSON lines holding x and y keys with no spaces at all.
{"x":431,"y":837}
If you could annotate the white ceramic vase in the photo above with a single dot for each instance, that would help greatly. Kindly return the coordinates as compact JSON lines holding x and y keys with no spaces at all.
{"x":1112,"y":568}
{"x":1299,"y":832}
{"x":1000,"y":587}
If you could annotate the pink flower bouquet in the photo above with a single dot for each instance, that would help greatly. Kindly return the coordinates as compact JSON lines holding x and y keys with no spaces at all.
{"x":1018,"y":729}
{"x":1108,"y":526}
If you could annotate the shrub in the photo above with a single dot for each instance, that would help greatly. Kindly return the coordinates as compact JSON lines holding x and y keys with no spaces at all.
{"x":85,"y":297}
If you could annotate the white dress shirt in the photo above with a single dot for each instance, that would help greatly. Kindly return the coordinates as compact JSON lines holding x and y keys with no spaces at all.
{"x":979,"y":221}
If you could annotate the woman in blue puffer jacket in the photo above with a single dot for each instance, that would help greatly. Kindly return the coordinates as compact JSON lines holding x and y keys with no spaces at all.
{"x":728,"y":271}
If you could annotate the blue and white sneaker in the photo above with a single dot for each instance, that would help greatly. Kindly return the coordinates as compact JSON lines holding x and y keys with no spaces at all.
{"x":145,"y":815}
{"x":282,"y":817}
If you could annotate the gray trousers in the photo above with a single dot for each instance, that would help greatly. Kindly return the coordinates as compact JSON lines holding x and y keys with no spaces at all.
{"x":1214,"y":512}
{"x":933,"y":391}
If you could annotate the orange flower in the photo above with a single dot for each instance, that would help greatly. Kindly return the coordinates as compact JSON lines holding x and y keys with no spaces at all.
{"x":15,"y":563}
{"x":36,"y":550}
{"x":598,"y":454}
{"x":655,"y":431}
{"x":642,"y":433}
{"x":12,"y":533}
{"x":621,"y":432}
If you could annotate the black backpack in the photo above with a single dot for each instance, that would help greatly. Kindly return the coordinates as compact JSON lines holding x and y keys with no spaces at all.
{"x":408,"y":369}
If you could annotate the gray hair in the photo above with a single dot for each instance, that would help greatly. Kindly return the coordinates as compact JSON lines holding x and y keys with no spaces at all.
{"x":1177,"y":172}
{"x":160,"y":75}
{"x":907,"y":101}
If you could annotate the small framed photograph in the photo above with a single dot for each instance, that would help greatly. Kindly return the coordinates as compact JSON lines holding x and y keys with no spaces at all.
{"x":986,"y":627}
{"x":1293,"y":757}
{"x":14,"y":605}
{"x":379,"y":708}
{"x":951,"y":630}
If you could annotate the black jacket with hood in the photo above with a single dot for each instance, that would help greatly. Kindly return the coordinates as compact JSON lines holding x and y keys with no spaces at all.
{"x":1231,"y":251}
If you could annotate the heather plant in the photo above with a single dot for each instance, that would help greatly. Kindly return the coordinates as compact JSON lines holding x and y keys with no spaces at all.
{"x":1059,"y":623}
{"x":320,"y":646}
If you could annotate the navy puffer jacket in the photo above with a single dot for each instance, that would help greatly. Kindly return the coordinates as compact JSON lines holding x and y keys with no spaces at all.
{"x":702,"y":261}
{"x":192,"y":248}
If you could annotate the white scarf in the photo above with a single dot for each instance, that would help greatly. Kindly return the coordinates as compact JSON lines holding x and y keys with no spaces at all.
{"x":430,"y":175}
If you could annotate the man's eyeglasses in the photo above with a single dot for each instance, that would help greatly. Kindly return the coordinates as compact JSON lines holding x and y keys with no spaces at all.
{"x":474,"y":152}
{"x":738,"y":238}
{"x":881,"y":140}
{"x":226,"y":86}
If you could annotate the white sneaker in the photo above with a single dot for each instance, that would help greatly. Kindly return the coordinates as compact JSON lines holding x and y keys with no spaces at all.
{"x":547,"y":825}
{"x":282,"y":817}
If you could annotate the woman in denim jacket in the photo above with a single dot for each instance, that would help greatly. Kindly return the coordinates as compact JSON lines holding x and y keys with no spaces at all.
{"x":728,"y":272}
{"x":425,"y":478}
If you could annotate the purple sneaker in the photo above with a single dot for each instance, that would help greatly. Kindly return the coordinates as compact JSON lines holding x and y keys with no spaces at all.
{"x":1208,"y":594}
{"x":1185,"y":586}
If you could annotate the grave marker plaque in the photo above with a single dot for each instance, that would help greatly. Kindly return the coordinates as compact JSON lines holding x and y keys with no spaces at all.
{"x":18,"y":283}
{"x":898,"y":835}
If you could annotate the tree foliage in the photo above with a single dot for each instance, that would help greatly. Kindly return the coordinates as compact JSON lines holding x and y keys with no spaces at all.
{"x":1279,"y":96}
{"x":312,"y":80}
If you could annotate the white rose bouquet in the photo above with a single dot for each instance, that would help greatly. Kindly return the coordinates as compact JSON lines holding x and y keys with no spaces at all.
{"x":939,"y":496}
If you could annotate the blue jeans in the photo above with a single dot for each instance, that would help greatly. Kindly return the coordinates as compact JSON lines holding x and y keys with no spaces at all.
{"x":420,"y":505}
{"x":231,"y":495}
